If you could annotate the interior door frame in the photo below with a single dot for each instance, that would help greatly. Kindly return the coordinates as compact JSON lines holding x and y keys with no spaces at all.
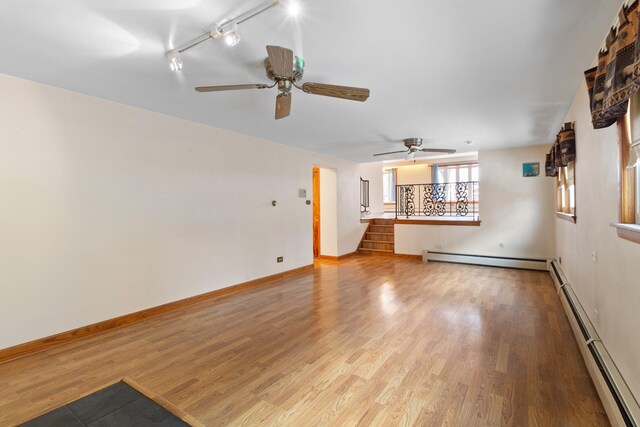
{"x":316,"y":211}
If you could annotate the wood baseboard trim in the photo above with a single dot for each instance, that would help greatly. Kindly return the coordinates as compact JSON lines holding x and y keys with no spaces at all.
{"x":337,"y":258}
{"x":42,"y":344}
{"x":409,"y":256}
{"x":393,"y":254}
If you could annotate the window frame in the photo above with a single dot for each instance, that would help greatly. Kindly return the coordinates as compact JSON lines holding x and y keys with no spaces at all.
{"x":628,"y":225}
{"x":391,"y":185}
{"x":563,"y":192}
{"x":469,"y":166}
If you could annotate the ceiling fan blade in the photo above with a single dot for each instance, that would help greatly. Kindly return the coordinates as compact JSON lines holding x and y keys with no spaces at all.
{"x":343,"y":92}
{"x":283,"y":105}
{"x":281,"y":60}
{"x":230,"y":87}
{"x":390,"y":152}
{"x":437,"y":150}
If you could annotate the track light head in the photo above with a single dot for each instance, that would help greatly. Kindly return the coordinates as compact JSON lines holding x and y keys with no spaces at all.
{"x":175,"y":63}
{"x":230,"y":34}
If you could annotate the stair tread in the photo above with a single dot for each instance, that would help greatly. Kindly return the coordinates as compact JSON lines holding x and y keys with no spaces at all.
{"x":387,"y":242}
{"x":375,"y":250}
{"x":379,"y":232}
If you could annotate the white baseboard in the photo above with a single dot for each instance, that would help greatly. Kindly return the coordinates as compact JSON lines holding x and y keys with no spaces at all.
{"x":493,"y":261}
{"x":617,"y":399}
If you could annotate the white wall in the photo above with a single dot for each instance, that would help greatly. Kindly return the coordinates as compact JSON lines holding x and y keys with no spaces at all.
{"x":328,"y":212}
{"x":373,"y":172}
{"x":612,"y":284}
{"x":108,"y":209}
{"x":514,"y":211}
{"x":414,"y":174}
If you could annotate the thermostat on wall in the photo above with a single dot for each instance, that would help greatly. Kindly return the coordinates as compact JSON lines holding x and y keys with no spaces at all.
{"x":302,"y":193}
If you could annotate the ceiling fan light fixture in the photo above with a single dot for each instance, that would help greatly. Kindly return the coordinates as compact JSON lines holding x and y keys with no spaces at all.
{"x":175,"y":63}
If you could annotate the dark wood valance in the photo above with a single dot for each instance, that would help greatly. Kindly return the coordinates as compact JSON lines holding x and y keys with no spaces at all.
{"x":617,"y":75}
{"x":562,"y":151}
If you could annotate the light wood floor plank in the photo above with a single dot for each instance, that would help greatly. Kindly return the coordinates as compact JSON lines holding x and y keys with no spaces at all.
{"x":369,"y":340}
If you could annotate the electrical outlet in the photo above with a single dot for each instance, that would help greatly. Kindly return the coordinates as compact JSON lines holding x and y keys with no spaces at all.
{"x":501,"y":244}
{"x":280,"y":259}
{"x":438,"y":245}
{"x":594,"y":256}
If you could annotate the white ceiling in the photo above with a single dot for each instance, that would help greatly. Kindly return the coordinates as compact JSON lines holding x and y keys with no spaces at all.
{"x":499,"y":72}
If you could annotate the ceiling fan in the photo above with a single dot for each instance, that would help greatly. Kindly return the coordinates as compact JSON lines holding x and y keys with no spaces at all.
{"x":286,"y":71}
{"x":413,"y":146}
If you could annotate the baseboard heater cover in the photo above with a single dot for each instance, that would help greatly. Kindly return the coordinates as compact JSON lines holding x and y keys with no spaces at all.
{"x":494,"y":261}
{"x":620,"y":392}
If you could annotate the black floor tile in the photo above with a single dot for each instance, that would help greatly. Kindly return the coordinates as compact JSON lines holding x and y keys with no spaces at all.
{"x":61,"y":417}
{"x":143,"y":412}
{"x":103,"y":402}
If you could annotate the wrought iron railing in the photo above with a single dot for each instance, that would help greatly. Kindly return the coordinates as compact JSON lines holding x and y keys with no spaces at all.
{"x":364,"y":196}
{"x":453,"y":199}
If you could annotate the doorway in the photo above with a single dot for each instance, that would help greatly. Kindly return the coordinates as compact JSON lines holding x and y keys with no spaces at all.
{"x":325,"y":212}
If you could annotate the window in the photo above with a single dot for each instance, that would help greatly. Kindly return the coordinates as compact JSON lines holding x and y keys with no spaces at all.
{"x":457,"y":173}
{"x":460,"y":173}
{"x":389,"y":185}
{"x":629,"y":128}
{"x":566,"y":190}
{"x":451,"y":174}
{"x":628,"y":226}
{"x":637,"y":193}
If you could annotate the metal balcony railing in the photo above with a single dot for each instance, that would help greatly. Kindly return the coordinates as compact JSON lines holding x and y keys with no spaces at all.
{"x":452,"y":199}
{"x":364,"y":196}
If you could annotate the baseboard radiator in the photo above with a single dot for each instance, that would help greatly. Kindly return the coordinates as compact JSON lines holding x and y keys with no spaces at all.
{"x":588,"y":338}
{"x":494,"y":261}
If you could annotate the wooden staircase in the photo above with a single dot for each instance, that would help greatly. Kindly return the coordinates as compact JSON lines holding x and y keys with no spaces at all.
{"x":378,"y":238}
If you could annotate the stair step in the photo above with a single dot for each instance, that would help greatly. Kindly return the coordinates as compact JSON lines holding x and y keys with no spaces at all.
{"x":387,"y":228}
{"x":385,"y":242}
{"x":379,"y":232}
{"x":382,"y":222}
{"x":376,"y":250}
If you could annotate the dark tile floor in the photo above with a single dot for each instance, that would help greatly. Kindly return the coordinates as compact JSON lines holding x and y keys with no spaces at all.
{"x":117,"y":405}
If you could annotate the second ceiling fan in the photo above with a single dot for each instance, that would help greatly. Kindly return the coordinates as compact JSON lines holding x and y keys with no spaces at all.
{"x":414,"y":146}
{"x":286,"y":72}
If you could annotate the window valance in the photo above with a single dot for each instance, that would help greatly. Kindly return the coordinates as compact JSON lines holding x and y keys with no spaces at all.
{"x":617,"y":75}
{"x":562,"y":151}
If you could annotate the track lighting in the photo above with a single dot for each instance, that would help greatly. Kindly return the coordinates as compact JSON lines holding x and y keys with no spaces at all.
{"x":174,"y":60}
{"x":227,"y":30}
{"x":293,"y":8}
{"x":230,"y":34}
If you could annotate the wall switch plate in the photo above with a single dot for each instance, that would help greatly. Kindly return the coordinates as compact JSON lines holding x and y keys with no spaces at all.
{"x":302,"y":193}
{"x":594,"y":256}
{"x":438,"y":245}
{"x":280,"y":259}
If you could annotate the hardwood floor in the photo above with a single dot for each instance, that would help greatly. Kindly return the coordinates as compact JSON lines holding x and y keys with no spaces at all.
{"x":370,"y":340}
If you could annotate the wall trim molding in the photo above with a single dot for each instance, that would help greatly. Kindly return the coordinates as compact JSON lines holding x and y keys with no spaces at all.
{"x":463,"y":223}
{"x":337,"y":258}
{"x":36,"y":346}
{"x":488,"y":260}
{"x":620,"y":404}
